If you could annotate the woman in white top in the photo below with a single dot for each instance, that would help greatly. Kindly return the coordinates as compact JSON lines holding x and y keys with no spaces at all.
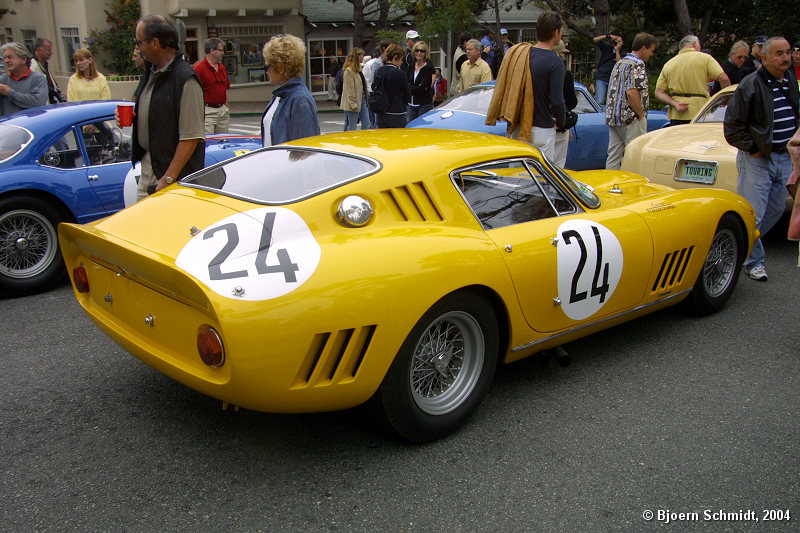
{"x":87,"y":83}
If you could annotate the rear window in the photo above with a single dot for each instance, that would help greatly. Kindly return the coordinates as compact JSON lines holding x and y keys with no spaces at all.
{"x":281,"y":175}
{"x":12,"y":140}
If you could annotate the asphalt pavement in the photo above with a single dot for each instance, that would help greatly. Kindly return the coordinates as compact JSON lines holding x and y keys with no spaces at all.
{"x":667,"y":423}
{"x":243,"y":109}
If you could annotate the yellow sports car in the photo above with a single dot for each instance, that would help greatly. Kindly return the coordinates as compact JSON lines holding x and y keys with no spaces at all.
{"x":689,"y":155}
{"x":396,"y":265}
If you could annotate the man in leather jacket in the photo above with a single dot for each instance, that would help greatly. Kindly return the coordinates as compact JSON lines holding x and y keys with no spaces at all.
{"x":759,"y":121}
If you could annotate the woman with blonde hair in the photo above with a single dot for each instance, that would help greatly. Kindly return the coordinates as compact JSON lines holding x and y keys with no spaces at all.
{"x":87,"y":83}
{"x":292,"y":112}
{"x":420,"y":80}
{"x":354,"y":92}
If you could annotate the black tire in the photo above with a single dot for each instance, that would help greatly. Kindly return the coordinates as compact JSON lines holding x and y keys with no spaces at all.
{"x":443,"y":369}
{"x":721,"y":268}
{"x":30,"y":257}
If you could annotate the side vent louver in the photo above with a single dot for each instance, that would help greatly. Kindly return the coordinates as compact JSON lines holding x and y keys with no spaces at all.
{"x":412,"y":203}
{"x":672,"y":268}
{"x":334,"y":357}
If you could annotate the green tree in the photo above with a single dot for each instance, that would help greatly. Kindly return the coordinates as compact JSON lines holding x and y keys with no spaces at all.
{"x":116,"y":42}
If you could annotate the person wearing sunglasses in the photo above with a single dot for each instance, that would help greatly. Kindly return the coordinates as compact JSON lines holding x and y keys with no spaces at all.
{"x":733,"y":65}
{"x":796,"y":59}
{"x":420,"y":79}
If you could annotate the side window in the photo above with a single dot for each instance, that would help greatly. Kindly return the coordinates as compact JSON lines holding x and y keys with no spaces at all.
{"x":559,"y":199}
{"x":64,"y":153}
{"x":503,"y":194}
{"x":584,"y":105}
{"x":106,"y":143}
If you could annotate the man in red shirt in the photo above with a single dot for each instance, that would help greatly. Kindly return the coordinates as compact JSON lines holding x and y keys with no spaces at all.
{"x":214,"y":79}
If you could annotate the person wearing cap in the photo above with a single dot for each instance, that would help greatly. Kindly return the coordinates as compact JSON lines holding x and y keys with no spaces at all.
{"x":504,"y":40}
{"x":753,"y":61}
{"x":760,"y":120}
{"x":408,"y":63}
{"x":796,"y":59}
{"x":628,"y":98}
{"x":683,"y":82}
{"x":733,"y":65}
{"x":20,"y":87}
{"x":570,"y":101}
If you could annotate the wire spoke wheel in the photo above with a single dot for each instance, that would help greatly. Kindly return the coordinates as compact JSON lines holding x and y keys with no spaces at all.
{"x":720,"y":272}
{"x":720,"y":264}
{"x":443,"y":369}
{"x":28,"y":243}
{"x":447,"y":362}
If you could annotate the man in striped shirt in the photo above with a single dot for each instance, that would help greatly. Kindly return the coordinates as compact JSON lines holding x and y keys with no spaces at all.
{"x":761,"y":118}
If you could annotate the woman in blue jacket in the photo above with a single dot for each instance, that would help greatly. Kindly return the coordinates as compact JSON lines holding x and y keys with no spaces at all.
{"x":292,"y":112}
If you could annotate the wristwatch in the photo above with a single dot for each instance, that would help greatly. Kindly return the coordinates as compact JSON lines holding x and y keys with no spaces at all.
{"x":169,"y":180}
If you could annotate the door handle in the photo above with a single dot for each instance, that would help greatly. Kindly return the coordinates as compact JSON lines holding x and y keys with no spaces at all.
{"x":93,"y":177}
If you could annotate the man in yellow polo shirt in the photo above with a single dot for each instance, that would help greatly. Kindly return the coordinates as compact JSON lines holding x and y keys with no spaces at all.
{"x":683,"y":82}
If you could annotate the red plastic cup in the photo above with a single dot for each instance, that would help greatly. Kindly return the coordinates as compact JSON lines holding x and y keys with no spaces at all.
{"x":125,"y":114}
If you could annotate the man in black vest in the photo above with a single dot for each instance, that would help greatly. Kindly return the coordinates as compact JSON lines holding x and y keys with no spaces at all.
{"x":168,"y":131}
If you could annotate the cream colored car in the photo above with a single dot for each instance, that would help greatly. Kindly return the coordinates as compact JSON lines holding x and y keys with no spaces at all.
{"x":689,"y":155}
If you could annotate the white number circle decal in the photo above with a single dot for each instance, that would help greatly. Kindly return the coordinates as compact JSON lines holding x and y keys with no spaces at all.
{"x":129,"y":192}
{"x":589,"y":267}
{"x":255,"y":255}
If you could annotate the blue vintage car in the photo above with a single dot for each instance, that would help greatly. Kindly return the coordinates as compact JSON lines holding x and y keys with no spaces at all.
{"x":587,"y":150}
{"x":66,"y":163}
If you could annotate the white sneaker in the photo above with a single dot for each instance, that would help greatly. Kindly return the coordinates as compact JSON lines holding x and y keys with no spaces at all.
{"x":758,"y":273}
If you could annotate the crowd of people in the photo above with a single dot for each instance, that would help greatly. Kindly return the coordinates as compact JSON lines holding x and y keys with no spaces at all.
{"x":397,"y":85}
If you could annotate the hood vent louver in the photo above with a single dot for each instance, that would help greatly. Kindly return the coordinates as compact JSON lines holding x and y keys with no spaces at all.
{"x":672,"y":269}
{"x":334,"y":357}
{"x":412,"y":203}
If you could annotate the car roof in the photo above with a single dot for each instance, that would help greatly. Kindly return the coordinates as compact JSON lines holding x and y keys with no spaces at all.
{"x":43,"y":119}
{"x":433,"y":149}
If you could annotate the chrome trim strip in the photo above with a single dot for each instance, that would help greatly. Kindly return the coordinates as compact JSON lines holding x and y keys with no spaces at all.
{"x":589,"y":324}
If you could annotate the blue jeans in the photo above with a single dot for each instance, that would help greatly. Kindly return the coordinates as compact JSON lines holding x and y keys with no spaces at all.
{"x":352,"y":118}
{"x":601,"y":87}
{"x":415,"y":111}
{"x":762,"y":181}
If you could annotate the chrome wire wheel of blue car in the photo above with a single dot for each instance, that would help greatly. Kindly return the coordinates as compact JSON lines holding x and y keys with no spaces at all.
{"x":721,"y":268}
{"x":443,"y":369}
{"x":29,"y":254}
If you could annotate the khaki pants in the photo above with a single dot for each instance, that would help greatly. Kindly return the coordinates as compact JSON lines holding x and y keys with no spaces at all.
{"x":147,"y":179}
{"x":618,"y":139}
{"x":217,"y":119}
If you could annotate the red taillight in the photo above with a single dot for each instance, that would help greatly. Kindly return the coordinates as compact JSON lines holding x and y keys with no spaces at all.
{"x":209,"y":346}
{"x":81,"y":279}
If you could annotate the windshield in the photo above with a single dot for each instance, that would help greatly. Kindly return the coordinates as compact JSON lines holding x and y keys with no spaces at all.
{"x":282,"y":175}
{"x":12,"y":140}
{"x":715,"y":111}
{"x":476,"y":99}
